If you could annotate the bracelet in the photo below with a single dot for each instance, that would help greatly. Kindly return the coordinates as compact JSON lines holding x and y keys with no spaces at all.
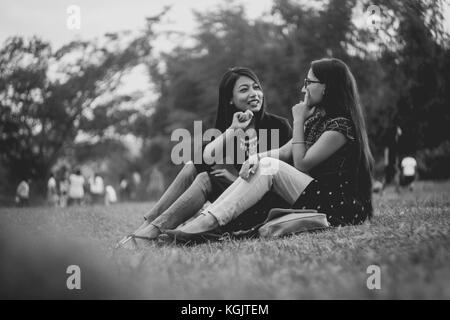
{"x":298,"y":142}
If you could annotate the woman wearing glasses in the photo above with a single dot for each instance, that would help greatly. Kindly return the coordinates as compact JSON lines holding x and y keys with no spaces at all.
{"x":241,"y":106}
{"x":330,"y":153}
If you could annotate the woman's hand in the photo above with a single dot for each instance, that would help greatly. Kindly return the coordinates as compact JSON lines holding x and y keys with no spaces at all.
{"x":224,"y":173}
{"x":241,"y":120}
{"x":303,"y":110}
{"x":249,"y":167}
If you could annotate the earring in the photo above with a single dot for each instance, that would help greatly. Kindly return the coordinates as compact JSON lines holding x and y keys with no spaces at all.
{"x":231,"y":102}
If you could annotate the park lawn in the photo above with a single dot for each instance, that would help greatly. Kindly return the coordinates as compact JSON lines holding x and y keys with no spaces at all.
{"x":408,"y":238}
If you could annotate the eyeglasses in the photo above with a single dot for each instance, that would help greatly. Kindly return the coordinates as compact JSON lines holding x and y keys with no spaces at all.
{"x":307,"y":82}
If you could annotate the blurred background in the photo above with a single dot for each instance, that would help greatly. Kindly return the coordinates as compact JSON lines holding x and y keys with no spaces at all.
{"x":105,"y":97}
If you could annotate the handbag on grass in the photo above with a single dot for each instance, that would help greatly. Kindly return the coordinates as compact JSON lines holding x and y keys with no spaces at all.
{"x":284,"y":222}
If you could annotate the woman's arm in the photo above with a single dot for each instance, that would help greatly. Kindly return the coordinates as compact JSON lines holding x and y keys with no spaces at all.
{"x":240,"y":121}
{"x":328,"y":143}
{"x":284,"y":153}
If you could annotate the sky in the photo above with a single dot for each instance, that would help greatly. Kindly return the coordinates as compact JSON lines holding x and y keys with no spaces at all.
{"x":48,"y":18}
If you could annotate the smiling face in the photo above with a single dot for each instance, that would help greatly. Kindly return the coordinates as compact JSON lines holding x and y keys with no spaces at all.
{"x":316,"y":90}
{"x":247,"y":94}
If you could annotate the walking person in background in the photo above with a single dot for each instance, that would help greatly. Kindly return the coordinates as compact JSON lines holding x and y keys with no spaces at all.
{"x":64,"y":191}
{"x":391,"y":156}
{"x":155,"y":187}
{"x":97,"y":189}
{"x":76,"y":187}
{"x":110,"y":195}
{"x":23,"y":193}
{"x":135,"y":189}
{"x":52,"y":191}
{"x":408,"y":172}
{"x":124,"y":189}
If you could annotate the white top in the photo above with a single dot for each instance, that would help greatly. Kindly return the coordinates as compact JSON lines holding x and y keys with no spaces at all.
{"x":111,"y":194}
{"x":76,"y":190}
{"x":409,"y":166}
{"x":97,"y":186}
{"x":123,"y":184}
{"x":51,"y":184}
{"x":23,"y":190}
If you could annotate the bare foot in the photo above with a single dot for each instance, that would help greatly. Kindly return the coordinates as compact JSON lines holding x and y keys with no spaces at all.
{"x":204,"y":222}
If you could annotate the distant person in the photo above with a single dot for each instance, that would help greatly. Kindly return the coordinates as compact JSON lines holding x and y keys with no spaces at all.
{"x":136,"y":178}
{"x":155,"y":187}
{"x":52,"y":191}
{"x":110,"y":195}
{"x":97,"y":189}
{"x":76,"y":187}
{"x":408,"y":172}
{"x":124,"y":189}
{"x":391,"y":154}
{"x":63,"y":192}
{"x":23,"y":193}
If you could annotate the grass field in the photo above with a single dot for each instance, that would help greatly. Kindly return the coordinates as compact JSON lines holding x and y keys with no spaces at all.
{"x":409,"y":239}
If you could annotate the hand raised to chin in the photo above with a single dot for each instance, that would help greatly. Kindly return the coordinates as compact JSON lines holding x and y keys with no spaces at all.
{"x":241,"y":120}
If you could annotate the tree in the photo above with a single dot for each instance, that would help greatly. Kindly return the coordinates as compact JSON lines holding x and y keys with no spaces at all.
{"x":414,"y":55}
{"x":40,"y":115}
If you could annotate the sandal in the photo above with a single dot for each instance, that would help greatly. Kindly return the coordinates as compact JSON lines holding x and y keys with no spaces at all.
{"x":132,"y":237}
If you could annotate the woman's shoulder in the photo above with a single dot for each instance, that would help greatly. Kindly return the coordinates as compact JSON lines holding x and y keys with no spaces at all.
{"x":341,"y":124}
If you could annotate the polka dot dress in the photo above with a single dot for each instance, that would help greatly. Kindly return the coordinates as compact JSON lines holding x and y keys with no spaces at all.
{"x":339,"y":209}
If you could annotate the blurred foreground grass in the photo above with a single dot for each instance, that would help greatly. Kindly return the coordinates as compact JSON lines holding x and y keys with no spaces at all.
{"x":409,"y":239}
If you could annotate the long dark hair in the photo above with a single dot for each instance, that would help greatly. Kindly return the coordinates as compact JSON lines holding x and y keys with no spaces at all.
{"x":225,"y":110}
{"x":341,"y":99}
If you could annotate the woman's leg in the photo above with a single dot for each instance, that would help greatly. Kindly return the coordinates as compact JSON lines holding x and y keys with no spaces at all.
{"x":287,"y":181}
{"x":181,"y":183}
{"x":186,"y":206}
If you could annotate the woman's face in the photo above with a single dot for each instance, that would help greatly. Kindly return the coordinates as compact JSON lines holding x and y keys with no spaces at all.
{"x":247,"y":95}
{"x":316,"y":89}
